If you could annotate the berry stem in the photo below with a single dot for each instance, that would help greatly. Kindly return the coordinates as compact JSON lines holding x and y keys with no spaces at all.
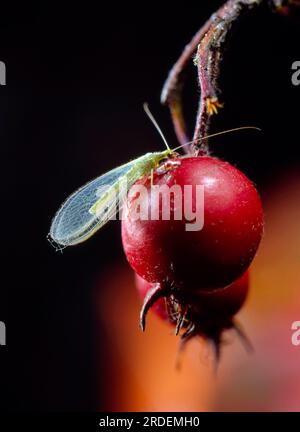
{"x":208,"y":59}
{"x":171,"y":94}
{"x":208,"y":43}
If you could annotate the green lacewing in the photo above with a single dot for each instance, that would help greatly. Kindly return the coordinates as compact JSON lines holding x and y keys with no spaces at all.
{"x":91,"y":206}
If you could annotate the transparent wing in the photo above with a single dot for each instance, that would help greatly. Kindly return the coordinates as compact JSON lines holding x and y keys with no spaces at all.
{"x":94,"y":204}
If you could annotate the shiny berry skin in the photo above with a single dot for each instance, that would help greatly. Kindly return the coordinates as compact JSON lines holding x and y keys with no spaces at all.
{"x":164,"y":251}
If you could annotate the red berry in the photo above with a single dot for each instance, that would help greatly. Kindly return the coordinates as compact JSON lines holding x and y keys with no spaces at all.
{"x":164,"y":251}
{"x":226,"y":302}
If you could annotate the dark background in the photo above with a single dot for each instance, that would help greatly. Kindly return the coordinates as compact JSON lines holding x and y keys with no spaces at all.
{"x":77,"y":76}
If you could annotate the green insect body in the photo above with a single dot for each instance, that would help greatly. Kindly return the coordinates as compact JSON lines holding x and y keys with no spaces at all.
{"x":94,"y":204}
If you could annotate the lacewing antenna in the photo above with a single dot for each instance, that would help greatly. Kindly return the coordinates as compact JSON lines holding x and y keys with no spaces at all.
{"x":219,"y":133}
{"x":149,"y":114}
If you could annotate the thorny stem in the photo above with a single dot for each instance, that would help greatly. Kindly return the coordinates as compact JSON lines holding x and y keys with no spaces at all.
{"x":208,"y":58}
{"x":172,"y":90}
{"x":209,"y":43}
